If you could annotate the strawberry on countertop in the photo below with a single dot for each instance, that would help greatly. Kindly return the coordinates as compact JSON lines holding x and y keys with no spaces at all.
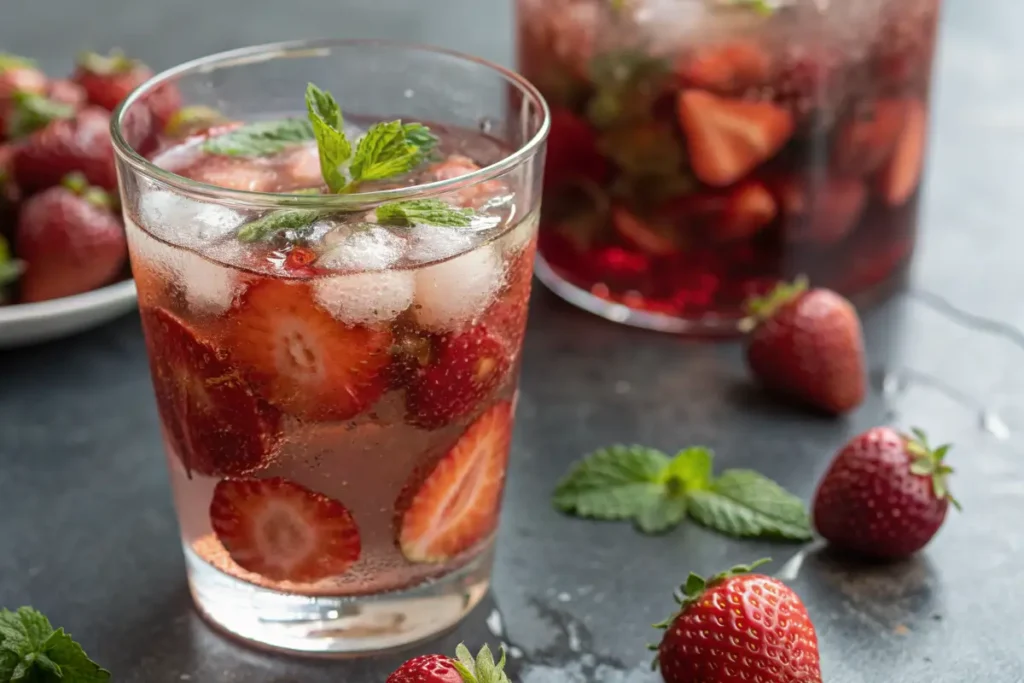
{"x":738,"y":626}
{"x":808,"y":344}
{"x":462,"y":669}
{"x":884,"y":495}
{"x":81,"y":143}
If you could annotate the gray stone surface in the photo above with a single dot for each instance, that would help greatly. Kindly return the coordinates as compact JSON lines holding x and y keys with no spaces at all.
{"x":86,"y":528}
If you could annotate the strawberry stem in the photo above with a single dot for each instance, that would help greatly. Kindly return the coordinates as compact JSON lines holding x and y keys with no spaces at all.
{"x":763,"y":307}
{"x":77,"y":183}
{"x":929,"y":462}
{"x":483,"y":669}
{"x":33,"y":111}
{"x":114,"y":62}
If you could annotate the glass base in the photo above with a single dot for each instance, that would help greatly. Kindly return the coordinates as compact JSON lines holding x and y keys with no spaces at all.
{"x":336,"y":626}
{"x":705,"y":326}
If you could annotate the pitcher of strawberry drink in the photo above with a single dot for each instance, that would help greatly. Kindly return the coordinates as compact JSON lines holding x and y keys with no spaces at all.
{"x":702,"y":150}
{"x":333,"y":252}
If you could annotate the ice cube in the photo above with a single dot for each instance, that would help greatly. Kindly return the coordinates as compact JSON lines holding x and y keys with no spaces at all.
{"x":366,"y":298}
{"x":362,"y":248}
{"x":213,"y":221}
{"x":429,"y":243}
{"x":452,"y":293}
{"x":182,"y":221}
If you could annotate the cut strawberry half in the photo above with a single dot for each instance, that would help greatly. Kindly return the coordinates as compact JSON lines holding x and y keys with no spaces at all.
{"x":864,"y":144}
{"x":822,"y":212}
{"x":748,"y":208}
{"x":456,"y":505}
{"x":468,"y":367}
{"x":303,"y":360}
{"x":729,"y":138}
{"x":283,"y":531}
{"x":727,"y":67}
{"x":217,"y":426}
{"x":654,"y":238}
{"x":900,"y":177}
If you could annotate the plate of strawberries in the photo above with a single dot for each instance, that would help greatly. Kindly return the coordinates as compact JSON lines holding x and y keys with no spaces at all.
{"x":63,"y":256}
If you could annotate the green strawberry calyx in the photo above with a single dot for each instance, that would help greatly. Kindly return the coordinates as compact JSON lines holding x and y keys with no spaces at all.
{"x":761,"y":308}
{"x":77,"y":183}
{"x":113,"y":63}
{"x":483,"y":669}
{"x":930,"y":462}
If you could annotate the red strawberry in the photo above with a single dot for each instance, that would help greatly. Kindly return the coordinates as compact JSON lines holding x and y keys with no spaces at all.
{"x":70,"y":241}
{"x":67,"y":92}
{"x":302,"y":359}
{"x":18,"y":74}
{"x":822,"y":212}
{"x":864,"y":143}
{"x":108,"y":79}
{"x":726,"y":67}
{"x":215,"y":423}
{"x":884,"y":495}
{"x":467,"y":368}
{"x":441,"y":669}
{"x":808,"y":345}
{"x":506,"y":317}
{"x":900,"y":177}
{"x":282,"y":530}
{"x":572,"y":151}
{"x":729,"y":138}
{"x":81,"y":143}
{"x":456,"y":506}
{"x":737,"y":627}
{"x":656,"y":238}
{"x":457,"y":166}
{"x":748,"y":208}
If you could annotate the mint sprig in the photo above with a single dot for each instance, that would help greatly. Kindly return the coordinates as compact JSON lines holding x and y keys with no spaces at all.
{"x":265,"y":228}
{"x":32,"y":651}
{"x":657,"y":492}
{"x":424,"y":212}
{"x":264,"y":138}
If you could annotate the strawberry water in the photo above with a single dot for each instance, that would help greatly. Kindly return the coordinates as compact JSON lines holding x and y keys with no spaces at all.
{"x":701,"y":150}
{"x":335,"y":390}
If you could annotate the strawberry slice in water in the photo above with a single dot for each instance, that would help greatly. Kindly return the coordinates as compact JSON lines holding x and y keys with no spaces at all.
{"x":303,"y":360}
{"x":866,"y":142}
{"x":282,"y":530}
{"x":468,"y":367}
{"x":898,"y":180}
{"x":728,"y":138}
{"x":214,"y":422}
{"x":456,"y":505}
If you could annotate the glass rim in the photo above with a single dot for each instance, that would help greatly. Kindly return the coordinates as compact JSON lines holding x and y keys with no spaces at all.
{"x":266,"y":52}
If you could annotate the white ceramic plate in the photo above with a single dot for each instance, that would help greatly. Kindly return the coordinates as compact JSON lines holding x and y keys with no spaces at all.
{"x":24,"y":324}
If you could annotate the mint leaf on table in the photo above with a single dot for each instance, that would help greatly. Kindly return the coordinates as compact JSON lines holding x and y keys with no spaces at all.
{"x":31,"y":651}
{"x":261,"y":139}
{"x":656,"y":492}
{"x":424,"y":211}
{"x":266,"y":227}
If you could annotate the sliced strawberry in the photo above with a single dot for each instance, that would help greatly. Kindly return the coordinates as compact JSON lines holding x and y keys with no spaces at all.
{"x":506,"y":317}
{"x":215,"y":423}
{"x":303,"y":360}
{"x":865,"y":143}
{"x":656,"y":238}
{"x":727,"y":67}
{"x":900,"y":177}
{"x":467,"y":369}
{"x":456,"y":506}
{"x":457,"y":166}
{"x":821,"y":212}
{"x":728,"y":138}
{"x":282,"y":530}
{"x":572,"y":151}
{"x":748,"y":208}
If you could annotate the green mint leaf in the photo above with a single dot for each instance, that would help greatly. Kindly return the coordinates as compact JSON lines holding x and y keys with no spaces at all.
{"x":626,"y":85}
{"x":268,"y":226}
{"x":46,"y":664}
{"x":8,"y":664}
{"x":612,"y":483}
{"x":424,"y":212}
{"x":420,"y":136}
{"x":32,"y":111}
{"x":383,"y":152}
{"x":661,"y":513}
{"x":691,"y":468}
{"x":261,"y":139}
{"x":35,"y":626}
{"x":74,"y":664}
{"x":743,"y":503}
{"x":23,"y":671}
{"x":329,"y":129}
{"x":763,"y":7}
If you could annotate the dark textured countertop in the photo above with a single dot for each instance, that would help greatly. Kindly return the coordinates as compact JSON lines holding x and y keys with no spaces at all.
{"x":87,"y":533}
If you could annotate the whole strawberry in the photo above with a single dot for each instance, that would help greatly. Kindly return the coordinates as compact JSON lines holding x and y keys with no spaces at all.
{"x":70,"y":241}
{"x":808,"y":344}
{"x":19,"y":75}
{"x":737,"y":627}
{"x":108,"y":79}
{"x":67,"y":145}
{"x":884,"y":495}
{"x":441,"y":669}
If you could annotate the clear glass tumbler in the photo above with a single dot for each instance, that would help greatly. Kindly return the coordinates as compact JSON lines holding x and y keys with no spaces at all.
{"x":702,"y":150}
{"x":334,"y":306}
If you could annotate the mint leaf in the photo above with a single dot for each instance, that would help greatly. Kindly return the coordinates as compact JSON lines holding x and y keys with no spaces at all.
{"x":691,"y":467}
{"x":424,"y":212}
{"x":612,"y":483}
{"x":626,"y":85}
{"x":265,"y":228}
{"x":743,"y":503}
{"x":420,"y":136}
{"x":35,"y":626}
{"x":261,"y":139}
{"x":329,"y":129}
{"x":32,"y":111}
{"x":383,"y":152}
{"x":661,"y":513}
{"x":8,"y":664}
{"x":75,"y":665}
